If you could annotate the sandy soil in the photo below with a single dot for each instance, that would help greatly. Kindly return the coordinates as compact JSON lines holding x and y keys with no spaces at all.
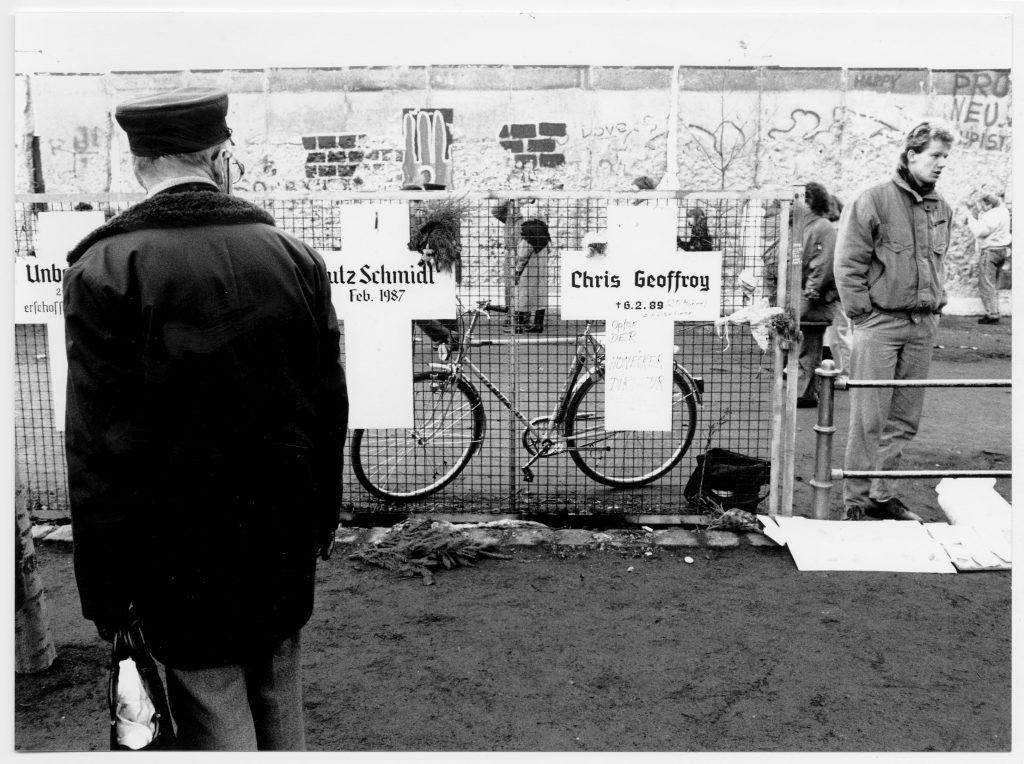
{"x":559,"y":650}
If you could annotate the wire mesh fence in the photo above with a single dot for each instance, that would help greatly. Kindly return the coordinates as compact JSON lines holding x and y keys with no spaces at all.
{"x":518,"y":362}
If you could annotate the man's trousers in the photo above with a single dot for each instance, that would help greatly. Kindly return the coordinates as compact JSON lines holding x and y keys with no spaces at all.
{"x":884,"y":420}
{"x":989,"y":264}
{"x":244,"y":707}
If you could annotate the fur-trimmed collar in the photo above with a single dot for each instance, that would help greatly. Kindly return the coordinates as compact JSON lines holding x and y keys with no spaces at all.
{"x":181,"y":209}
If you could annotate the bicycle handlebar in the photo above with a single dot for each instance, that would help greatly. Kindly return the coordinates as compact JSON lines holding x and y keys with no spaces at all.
{"x":485,"y":305}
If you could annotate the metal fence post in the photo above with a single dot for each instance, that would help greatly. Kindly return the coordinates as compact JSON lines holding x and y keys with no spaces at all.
{"x":822,"y":480}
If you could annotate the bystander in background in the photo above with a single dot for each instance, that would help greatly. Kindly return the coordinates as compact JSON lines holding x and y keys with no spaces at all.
{"x":991,"y":229}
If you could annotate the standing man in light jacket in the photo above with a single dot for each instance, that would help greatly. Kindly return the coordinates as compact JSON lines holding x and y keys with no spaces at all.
{"x":992,"y":230}
{"x":889,"y":272}
{"x":206,"y":417}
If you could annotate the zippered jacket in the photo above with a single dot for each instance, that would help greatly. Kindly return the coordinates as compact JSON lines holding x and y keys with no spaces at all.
{"x":890,"y":250}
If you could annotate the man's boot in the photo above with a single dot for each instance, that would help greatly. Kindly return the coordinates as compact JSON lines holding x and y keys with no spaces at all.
{"x":538,"y":322}
{"x":519,"y":322}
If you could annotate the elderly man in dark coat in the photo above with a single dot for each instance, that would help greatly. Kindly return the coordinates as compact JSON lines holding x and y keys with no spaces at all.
{"x":206,"y":418}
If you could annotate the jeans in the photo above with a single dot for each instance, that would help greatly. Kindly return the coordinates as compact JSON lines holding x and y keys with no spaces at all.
{"x":838,"y":337}
{"x":810,"y":359}
{"x":884,"y":420}
{"x":989,"y":264}
{"x":256,"y":706}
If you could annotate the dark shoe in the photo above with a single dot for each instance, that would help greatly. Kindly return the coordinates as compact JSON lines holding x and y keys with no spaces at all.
{"x":988,"y":320}
{"x":854,"y":513}
{"x":519,"y":324}
{"x":538,"y":322}
{"x":893,"y":509}
{"x":806,"y":403}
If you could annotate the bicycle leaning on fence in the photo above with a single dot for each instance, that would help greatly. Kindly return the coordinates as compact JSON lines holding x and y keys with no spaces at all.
{"x":449,"y":425}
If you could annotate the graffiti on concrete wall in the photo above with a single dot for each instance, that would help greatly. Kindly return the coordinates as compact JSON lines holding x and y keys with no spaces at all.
{"x":537,"y":144}
{"x":721,"y":145}
{"x":804,"y":124}
{"x":621,"y":147}
{"x":86,"y":147}
{"x":981,"y":109}
{"x":880,"y":81}
{"x":428,"y":146}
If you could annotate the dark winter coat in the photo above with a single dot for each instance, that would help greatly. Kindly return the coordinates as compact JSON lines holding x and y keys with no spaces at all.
{"x":818,"y":287}
{"x":206,"y":417}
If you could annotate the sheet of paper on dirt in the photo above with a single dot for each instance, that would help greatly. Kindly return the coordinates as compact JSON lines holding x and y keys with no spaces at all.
{"x":966,"y":548}
{"x":640,"y":287}
{"x":378,"y":288}
{"x":39,"y":290}
{"x":974,"y":503}
{"x":883,"y":545}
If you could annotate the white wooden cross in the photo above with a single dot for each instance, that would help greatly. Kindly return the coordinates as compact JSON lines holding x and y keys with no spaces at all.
{"x":378,"y":287}
{"x":640,"y":287}
{"x":39,"y":291}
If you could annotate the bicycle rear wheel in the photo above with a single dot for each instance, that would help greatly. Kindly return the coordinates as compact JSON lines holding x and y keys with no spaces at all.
{"x":627,"y":458}
{"x":406,"y":464}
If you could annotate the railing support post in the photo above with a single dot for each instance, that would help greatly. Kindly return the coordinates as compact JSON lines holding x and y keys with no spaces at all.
{"x":822,"y":480}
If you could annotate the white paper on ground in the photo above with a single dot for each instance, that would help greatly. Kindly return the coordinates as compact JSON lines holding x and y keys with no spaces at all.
{"x":966,"y":547}
{"x":772,"y":529}
{"x":882,"y":545}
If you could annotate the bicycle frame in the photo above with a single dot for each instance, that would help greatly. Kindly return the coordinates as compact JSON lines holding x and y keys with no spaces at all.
{"x":540,"y":443}
{"x":587,"y":348}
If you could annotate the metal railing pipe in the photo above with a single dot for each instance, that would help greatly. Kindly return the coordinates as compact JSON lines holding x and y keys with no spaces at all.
{"x":824,"y":475}
{"x":822,"y":481}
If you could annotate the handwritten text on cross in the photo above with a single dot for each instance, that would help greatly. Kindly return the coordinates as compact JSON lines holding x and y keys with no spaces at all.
{"x":640,"y":287}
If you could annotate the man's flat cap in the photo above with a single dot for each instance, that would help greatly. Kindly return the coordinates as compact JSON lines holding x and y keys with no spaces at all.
{"x":176,"y":122}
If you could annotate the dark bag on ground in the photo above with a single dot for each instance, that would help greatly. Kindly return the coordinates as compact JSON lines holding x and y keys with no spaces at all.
{"x":725,"y":480}
{"x":144,"y":723}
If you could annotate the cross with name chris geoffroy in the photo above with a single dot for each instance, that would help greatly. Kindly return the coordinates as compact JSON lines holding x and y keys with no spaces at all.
{"x":640,"y":287}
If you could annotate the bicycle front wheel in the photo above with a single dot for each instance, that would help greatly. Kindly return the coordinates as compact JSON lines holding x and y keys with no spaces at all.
{"x":406,"y":464}
{"x":632,"y":457}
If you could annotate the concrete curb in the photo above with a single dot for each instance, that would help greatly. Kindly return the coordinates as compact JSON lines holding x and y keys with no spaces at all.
{"x":525,"y":534}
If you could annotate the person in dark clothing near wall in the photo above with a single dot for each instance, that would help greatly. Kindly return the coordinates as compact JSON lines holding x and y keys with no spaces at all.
{"x":529,"y":238}
{"x":818,"y":294}
{"x":206,"y":419}
{"x":700,"y":239}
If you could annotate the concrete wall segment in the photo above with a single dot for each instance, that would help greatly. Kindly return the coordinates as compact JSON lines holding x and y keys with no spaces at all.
{"x":630,"y":78}
{"x":351,"y":78}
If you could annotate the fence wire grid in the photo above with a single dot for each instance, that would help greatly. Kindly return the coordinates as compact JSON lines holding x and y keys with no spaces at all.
{"x":526,"y":353}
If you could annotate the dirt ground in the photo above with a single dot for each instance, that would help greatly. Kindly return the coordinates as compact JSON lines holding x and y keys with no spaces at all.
{"x":570,"y":650}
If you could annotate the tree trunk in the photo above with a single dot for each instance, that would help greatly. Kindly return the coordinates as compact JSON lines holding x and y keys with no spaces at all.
{"x":33,"y":644}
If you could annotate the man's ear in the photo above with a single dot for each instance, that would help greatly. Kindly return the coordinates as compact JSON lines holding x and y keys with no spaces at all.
{"x":218,"y":168}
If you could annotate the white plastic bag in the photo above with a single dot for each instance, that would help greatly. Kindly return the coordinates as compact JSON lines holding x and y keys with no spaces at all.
{"x":136,"y":725}
{"x":758,"y":315}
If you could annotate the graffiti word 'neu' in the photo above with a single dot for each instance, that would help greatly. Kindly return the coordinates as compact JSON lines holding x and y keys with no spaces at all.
{"x":368,"y":274}
{"x":53,"y":274}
